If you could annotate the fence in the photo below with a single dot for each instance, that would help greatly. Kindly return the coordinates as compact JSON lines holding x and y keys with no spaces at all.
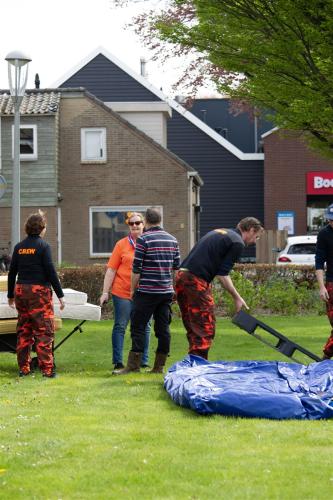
{"x":269,"y":244}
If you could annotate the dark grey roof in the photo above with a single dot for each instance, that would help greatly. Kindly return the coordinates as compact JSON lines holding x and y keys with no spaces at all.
{"x":33,"y":103}
{"x":241,"y":129}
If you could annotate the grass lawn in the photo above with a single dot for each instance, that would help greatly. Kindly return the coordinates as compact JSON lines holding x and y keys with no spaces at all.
{"x":90,"y":435}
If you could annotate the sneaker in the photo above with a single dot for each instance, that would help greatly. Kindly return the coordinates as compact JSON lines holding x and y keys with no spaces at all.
{"x":118,"y":366}
{"x":23,"y":374}
{"x":50,"y":375}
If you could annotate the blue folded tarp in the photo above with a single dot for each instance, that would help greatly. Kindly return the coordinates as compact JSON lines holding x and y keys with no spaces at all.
{"x":264,"y":389}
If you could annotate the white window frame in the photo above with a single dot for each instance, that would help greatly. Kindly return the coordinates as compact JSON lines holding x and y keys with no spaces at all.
{"x":34,"y":155}
{"x":113,"y":208}
{"x":100,"y":159}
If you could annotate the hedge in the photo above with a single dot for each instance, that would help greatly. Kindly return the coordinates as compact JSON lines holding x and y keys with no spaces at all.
{"x":267,"y":288}
{"x":261,"y":273}
{"x":87,"y":279}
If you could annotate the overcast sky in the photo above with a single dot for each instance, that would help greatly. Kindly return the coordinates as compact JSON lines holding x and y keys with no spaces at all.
{"x":58,"y":34}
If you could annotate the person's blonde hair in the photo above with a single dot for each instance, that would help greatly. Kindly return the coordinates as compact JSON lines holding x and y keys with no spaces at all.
{"x":129,"y":215}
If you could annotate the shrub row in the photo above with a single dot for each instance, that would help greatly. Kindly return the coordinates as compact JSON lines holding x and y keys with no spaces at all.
{"x":278,"y":295}
{"x":267,"y":289}
{"x":261,"y":273}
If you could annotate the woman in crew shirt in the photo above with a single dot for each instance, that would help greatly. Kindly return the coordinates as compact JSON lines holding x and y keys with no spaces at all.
{"x":32,"y":295}
{"x":118,"y":280}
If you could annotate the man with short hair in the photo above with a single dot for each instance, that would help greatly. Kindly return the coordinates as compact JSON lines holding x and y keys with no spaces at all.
{"x":324,"y":254}
{"x":213,"y":256}
{"x":155,"y":260}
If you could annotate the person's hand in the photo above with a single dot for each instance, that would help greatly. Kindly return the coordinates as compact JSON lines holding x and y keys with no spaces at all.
{"x":11,"y":303}
{"x":239,"y":303}
{"x":103,"y":298}
{"x":62,"y":303}
{"x":323,"y":294}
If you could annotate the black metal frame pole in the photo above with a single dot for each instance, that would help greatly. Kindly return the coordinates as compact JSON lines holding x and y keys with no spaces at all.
{"x":78,"y":327}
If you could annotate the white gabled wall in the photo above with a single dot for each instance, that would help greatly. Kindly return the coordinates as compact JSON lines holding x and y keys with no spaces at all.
{"x":149,"y":117}
{"x":152,"y":124}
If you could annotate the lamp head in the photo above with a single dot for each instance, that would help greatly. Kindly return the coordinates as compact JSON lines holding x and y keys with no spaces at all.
{"x":17,"y":73}
{"x":17,"y":58}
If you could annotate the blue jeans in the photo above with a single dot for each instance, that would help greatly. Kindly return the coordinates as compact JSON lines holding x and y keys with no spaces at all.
{"x":122,"y":312}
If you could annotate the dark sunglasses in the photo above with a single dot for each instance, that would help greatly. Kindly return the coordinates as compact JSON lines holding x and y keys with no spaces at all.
{"x":136,"y":223}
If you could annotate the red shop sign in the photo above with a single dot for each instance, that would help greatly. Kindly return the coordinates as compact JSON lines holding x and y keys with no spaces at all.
{"x":319,"y":182}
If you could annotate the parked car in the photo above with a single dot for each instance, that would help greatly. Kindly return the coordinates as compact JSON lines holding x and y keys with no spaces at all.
{"x":298,"y":250}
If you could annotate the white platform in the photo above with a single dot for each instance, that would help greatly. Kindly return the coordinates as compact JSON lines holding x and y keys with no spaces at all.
{"x":72,"y":297}
{"x":7,"y":312}
{"x":84,"y":311}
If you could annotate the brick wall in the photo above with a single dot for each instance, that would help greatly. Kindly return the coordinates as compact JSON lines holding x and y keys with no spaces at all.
{"x":137,"y":172}
{"x":287,"y":160}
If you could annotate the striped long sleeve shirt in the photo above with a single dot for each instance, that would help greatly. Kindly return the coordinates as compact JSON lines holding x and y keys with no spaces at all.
{"x":156,"y":257}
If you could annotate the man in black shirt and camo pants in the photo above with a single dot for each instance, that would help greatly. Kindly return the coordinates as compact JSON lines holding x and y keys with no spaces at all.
{"x":213,"y":256}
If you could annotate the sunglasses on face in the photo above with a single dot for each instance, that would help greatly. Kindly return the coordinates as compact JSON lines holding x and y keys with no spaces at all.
{"x":136,"y":223}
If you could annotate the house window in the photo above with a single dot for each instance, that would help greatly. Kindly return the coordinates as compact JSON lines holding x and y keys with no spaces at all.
{"x":28,"y":142}
{"x":107,"y":226}
{"x":93,"y":145}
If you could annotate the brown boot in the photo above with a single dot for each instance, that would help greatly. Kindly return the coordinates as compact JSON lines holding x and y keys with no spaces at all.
{"x":159,"y":363}
{"x":133,"y":364}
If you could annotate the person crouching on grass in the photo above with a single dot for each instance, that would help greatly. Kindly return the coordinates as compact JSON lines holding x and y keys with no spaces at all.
{"x":32,"y":296}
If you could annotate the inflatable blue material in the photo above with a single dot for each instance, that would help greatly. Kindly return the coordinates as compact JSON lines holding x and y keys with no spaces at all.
{"x":264,"y":389}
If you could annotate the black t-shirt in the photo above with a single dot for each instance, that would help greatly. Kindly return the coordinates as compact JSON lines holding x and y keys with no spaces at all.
{"x":324,"y":251}
{"x":32,"y":263}
{"x":214,"y":254}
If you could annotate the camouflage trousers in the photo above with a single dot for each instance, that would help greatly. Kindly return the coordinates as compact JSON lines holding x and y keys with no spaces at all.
{"x":194,"y":296}
{"x":35,"y":326}
{"x":328,"y":347}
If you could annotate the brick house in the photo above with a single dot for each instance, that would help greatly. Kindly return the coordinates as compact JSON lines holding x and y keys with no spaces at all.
{"x":90,"y":167}
{"x":233,"y":179}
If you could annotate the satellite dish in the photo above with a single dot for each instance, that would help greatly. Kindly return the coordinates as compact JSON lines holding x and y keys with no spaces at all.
{"x":3,"y":186}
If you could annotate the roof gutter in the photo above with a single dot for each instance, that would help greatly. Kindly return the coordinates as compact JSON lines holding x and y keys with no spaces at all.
{"x":196,"y":176}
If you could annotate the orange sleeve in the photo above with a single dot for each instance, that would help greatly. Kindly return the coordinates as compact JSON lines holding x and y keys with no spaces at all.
{"x":115,"y":259}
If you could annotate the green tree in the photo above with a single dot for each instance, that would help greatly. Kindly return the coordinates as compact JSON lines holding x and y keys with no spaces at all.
{"x":273,"y":54}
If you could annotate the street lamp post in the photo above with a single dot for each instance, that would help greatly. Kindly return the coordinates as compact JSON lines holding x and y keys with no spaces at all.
{"x":17,"y":77}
